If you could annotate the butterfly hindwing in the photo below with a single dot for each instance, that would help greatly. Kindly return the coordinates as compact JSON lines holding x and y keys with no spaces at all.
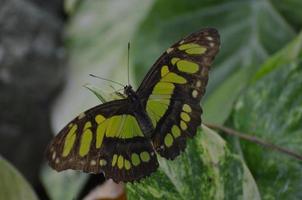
{"x":106,"y":138}
{"x":172,"y":90}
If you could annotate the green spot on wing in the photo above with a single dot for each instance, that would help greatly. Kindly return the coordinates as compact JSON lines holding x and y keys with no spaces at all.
{"x":175,"y":131}
{"x":69,"y":140}
{"x":145,"y":156}
{"x":85,"y":142}
{"x":188,"y":46}
{"x":135,"y":159}
{"x":114,"y":159}
{"x":168,"y":140}
{"x":187,"y":66}
{"x":120,"y":162}
{"x":127,"y":164}
{"x":174,"y":78}
{"x":197,"y":51}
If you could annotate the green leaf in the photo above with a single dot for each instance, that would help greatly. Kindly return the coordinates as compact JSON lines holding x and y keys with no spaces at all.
{"x":206,"y":170}
{"x":271,"y":109}
{"x":248,"y":37}
{"x":13,"y":186}
{"x":292,"y":52}
{"x":97,"y":92}
{"x":102,"y":96}
{"x":291,"y":10}
{"x":226,"y":93}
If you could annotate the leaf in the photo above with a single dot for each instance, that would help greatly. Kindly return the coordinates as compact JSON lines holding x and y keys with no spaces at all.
{"x":63,"y":185}
{"x":291,"y":10}
{"x":13,"y":186}
{"x":271,"y":109}
{"x":206,"y":170}
{"x":228,"y":92}
{"x":102,"y":96}
{"x":292,"y":52}
{"x":248,"y":37}
{"x":98,"y":93}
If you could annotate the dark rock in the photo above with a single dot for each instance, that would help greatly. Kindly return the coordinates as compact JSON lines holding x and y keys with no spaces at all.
{"x":31,"y":74}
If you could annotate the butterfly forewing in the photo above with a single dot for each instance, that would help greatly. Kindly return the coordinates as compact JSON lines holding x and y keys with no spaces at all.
{"x":105,"y":139}
{"x":172,"y":90}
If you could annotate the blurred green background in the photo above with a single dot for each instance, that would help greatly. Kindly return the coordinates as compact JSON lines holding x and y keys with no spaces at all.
{"x":47,"y":50}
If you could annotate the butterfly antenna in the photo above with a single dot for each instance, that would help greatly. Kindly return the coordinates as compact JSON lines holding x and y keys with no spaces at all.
{"x":105,"y":79}
{"x":128,"y":63}
{"x":117,"y":90}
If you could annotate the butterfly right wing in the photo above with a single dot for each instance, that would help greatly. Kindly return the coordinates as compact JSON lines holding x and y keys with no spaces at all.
{"x":106,"y":138}
{"x":172,"y":90}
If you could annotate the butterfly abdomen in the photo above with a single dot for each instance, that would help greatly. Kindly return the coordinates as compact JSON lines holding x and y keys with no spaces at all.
{"x":144,"y":123}
{"x":139,"y":112}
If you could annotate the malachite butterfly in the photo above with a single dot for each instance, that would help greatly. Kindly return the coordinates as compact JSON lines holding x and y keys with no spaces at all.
{"x":122,"y":138}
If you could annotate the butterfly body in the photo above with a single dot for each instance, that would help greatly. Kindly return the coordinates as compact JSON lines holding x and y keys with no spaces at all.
{"x":139,"y":112}
{"x":122,"y":138}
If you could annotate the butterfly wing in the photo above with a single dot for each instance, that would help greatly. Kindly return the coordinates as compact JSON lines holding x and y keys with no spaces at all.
{"x":106,"y":138}
{"x":172,"y":90}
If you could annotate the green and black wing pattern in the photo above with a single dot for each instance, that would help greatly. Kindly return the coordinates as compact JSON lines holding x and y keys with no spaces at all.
{"x":109,"y":138}
{"x":172,"y":90}
{"x":105,"y":139}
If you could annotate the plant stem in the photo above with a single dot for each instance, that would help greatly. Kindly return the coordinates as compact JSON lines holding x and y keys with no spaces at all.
{"x":254,"y":139}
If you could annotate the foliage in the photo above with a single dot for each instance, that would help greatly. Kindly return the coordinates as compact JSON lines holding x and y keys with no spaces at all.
{"x":271,"y":108}
{"x":64,"y":185}
{"x":206,"y":170}
{"x":13,"y":186}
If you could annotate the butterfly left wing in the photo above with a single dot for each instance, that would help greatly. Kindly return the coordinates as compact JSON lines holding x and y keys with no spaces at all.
{"x":106,"y":138}
{"x":172,"y":90}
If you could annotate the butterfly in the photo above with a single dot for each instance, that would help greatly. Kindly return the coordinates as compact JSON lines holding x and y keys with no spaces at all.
{"x":122,"y":138}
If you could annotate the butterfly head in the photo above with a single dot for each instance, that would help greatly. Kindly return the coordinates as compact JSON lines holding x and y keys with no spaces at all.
{"x":129,"y":92}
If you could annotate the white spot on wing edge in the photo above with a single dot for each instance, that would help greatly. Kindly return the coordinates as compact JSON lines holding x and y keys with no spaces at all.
{"x":209,"y":38}
{"x":169,"y":50}
{"x":92,"y":162}
{"x":198,"y":83}
{"x":82,"y":115}
{"x":194,"y":93}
